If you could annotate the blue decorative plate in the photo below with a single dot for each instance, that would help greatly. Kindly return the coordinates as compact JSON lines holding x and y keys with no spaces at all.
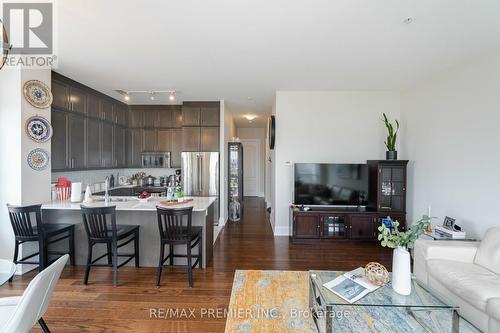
{"x":37,"y":94}
{"x":38,"y":159}
{"x":38,"y":129}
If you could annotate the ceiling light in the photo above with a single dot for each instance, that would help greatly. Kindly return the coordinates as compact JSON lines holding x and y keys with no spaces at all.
{"x":408,"y":20}
{"x":172,"y":96}
{"x":127,"y":97}
{"x":250,"y":117}
{"x":152,"y":96}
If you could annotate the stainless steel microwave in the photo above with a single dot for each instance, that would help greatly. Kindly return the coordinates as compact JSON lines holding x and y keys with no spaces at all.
{"x":156,"y":159}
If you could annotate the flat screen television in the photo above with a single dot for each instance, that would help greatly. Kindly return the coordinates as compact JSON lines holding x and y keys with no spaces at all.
{"x":322,"y":184}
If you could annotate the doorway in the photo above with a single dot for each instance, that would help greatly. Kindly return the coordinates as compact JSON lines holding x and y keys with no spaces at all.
{"x":251,"y":167}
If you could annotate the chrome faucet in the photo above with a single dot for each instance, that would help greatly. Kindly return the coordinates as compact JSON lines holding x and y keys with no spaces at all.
{"x":106,"y":191}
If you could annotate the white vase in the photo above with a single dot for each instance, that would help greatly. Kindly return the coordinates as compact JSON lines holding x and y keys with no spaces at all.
{"x":401,"y":273}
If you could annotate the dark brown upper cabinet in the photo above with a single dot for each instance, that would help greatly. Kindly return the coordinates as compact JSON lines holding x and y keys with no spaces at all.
{"x":191,"y":138}
{"x":210,"y":114}
{"x":191,"y":115}
{"x":76,"y":142}
{"x":150,"y":142}
{"x":176,"y":148}
{"x":150,"y":118}
{"x":93,"y":106}
{"x":177,"y":118}
{"x":119,"y":148}
{"x":164,"y":140}
{"x":136,"y":118}
{"x":121,"y":115}
{"x":94,"y":143}
{"x":209,"y":139}
{"x":107,"y":145}
{"x":136,"y":140}
{"x":77,"y":100}
{"x":165,"y":118}
{"x":60,"y":95}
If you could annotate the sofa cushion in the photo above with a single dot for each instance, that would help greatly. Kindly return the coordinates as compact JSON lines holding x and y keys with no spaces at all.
{"x":493,"y":308}
{"x":488,"y":253}
{"x":472,"y":283}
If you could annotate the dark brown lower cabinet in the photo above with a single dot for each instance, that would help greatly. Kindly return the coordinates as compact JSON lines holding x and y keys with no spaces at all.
{"x":338,"y":225}
{"x":363,"y":226}
{"x":306,"y":226}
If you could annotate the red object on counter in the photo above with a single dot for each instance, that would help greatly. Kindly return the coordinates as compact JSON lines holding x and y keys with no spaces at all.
{"x":63,"y":188}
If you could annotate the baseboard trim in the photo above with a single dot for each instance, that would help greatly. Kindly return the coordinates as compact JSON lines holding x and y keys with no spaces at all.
{"x":281,"y":231}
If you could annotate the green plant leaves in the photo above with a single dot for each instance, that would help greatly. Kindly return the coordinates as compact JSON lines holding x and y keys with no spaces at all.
{"x":390,"y":143}
{"x":393,"y":239}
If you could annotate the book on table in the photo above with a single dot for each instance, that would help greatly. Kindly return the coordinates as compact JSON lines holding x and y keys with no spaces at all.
{"x":351,"y":286}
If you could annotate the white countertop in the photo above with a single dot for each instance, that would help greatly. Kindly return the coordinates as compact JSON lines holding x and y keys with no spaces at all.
{"x":199,"y":204}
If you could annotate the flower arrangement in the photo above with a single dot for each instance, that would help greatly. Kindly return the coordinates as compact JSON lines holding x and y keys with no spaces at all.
{"x":393,"y":238}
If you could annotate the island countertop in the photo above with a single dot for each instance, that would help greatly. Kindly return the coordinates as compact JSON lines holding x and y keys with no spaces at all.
{"x":199,"y":204}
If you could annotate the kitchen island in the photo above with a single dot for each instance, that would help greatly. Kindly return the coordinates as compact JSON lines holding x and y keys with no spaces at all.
{"x":129,"y":210}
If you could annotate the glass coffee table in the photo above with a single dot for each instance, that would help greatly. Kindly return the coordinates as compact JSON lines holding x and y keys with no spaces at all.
{"x":383,"y":310}
{"x":7,"y":270}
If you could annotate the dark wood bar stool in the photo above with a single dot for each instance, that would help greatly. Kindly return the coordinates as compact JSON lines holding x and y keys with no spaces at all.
{"x":28,"y":226}
{"x":175,"y":229}
{"x":101,"y":228}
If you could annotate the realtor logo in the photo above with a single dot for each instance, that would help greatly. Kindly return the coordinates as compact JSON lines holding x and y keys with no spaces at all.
{"x":29,"y":27}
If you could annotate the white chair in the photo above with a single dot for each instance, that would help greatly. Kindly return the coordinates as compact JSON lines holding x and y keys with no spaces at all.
{"x":20,"y":313}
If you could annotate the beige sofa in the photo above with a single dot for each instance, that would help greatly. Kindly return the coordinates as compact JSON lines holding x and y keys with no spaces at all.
{"x":467,"y":273}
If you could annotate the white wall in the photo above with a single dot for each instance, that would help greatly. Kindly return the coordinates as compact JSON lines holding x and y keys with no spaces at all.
{"x":20,"y":184}
{"x":256,"y":134}
{"x":452,"y":138}
{"x":325,"y":126}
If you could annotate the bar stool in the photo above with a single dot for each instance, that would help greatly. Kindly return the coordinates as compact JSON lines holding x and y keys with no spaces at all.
{"x":175,"y":229}
{"x":26,"y":229}
{"x":101,"y":230}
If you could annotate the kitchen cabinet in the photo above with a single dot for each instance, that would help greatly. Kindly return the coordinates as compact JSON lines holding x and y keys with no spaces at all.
{"x":93,"y":143}
{"x":150,"y":118}
{"x":191,"y":115}
{"x":165,"y":118}
{"x":77,"y":100}
{"x":107,"y":145}
{"x":119,"y":147}
{"x":177,"y":118}
{"x":363,"y":226}
{"x":191,"y":138}
{"x":136,"y":118}
{"x":59,"y":140}
{"x":121,"y":115}
{"x":60,"y":94}
{"x":165,"y":140}
{"x":176,"y":150}
{"x":306,"y":226}
{"x":210,"y":114}
{"x":93,"y":106}
{"x":136,"y":151}
{"x":107,"y":111}
{"x":150,"y":143}
{"x":209,"y":139}
{"x":76,"y":137}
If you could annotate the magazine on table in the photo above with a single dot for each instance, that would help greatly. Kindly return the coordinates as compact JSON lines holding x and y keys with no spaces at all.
{"x":351,"y":286}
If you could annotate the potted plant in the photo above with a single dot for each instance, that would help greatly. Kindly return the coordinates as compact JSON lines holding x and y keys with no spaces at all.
{"x":179,"y":194}
{"x":401,"y":242}
{"x":390,"y":143}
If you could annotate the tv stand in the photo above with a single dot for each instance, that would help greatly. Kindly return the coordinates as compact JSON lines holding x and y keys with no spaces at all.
{"x":387,"y":198}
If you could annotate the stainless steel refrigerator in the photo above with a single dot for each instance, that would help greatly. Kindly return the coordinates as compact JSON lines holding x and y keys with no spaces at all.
{"x":200,"y":176}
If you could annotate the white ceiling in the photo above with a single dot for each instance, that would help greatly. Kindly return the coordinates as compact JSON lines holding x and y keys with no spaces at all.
{"x":233,"y":50}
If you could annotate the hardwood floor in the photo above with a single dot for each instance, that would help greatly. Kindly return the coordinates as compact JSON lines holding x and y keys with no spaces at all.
{"x":134,"y":305}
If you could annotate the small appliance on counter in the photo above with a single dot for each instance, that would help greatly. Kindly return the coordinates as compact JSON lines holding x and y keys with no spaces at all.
{"x":150,"y":180}
{"x":76,"y":192}
{"x":123,"y":180}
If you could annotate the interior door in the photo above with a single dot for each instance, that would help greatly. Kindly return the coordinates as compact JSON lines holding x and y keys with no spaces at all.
{"x":251,"y":167}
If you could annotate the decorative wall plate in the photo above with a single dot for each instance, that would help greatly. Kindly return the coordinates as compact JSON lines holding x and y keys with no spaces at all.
{"x":38,"y":159}
{"x":37,"y":94}
{"x":38,"y":129}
